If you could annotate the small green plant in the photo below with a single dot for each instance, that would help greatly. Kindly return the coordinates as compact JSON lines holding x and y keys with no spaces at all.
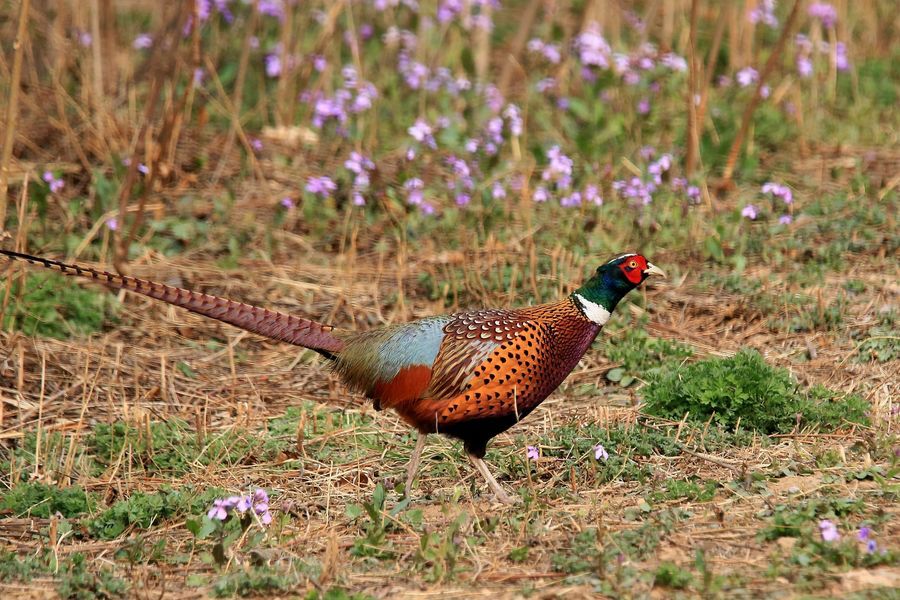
{"x":374,"y":542}
{"x":793,"y":520}
{"x":50,"y":305}
{"x":230,"y":519}
{"x":170,"y":446}
{"x":745,"y":390}
{"x":582,"y":555}
{"x":822,"y":545}
{"x":639,"y":354}
{"x":76,"y":580}
{"x":437,"y":553}
{"x":670,"y":575}
{"x":142,"y":510}
{"x":677,"y":489}
{"x":254,"y":581}
{"x":36,"y":499}
{"x":881,"y":343}
{"x":16,"y":567}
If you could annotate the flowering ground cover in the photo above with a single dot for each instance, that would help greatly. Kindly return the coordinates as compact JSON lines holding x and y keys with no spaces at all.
{"x":733,"y":432}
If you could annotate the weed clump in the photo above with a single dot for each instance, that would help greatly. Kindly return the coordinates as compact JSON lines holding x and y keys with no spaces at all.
{"x":50,"y":306}
{"x":744,"y":390}
{"x":41,"y":500}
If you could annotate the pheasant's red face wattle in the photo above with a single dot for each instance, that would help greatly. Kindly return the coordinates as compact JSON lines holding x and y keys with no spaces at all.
{"x":634,"y":268}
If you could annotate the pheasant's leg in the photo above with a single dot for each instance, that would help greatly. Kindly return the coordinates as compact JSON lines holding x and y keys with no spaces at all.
{"x":414,"y":461}
{"x":502,"y":496}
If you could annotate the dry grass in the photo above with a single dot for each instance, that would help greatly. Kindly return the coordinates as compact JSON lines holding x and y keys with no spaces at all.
{"x":127,"y":375}
{"x":78,"y":111}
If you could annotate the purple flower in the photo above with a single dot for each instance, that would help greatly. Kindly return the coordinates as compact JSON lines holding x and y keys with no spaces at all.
{"x":693,"y":193}
{"x":864,"y":533}
{"x":273,"y":64}
{"x":358,"y":163}
{"x":824,"y":12}
{"x":635,"y":189}
{"x":321,"y":186}
{"x":600,"y":453}
{"x":559,"y":169}
{"x":540,"y":194}
{"x":142,"y":41}
{"x":804,"y":66}
{"x":747,"y":76}
{"x":448,"y":9}
{"x":829,"y":531}
{"x":358,"y":199}
{"x":55,"y":183}
{"x":422,"y":133}
{"x":319,"y":63}
{"x":498,"y":192}
{"x":871,"y":546}
{"x":332,"y":108}
{"x":785,"y":219}
{"x":592,"y":195}
{"x":778,"y":191}
{"x":112,"y":223}
{"x":511,"y":113}
{"x":287,"y":202}
{"x":271,"y":8}
{"x":573,"y":199}
{"x":219,"y":510}
{"x":414,"y":193}
{"x":259,"y":501}
{"x":592,"y":48}
{"x":85,"y":38}
{"x":256,"y":144}
{"x":750,"y":212}
{"x":643,"y":106}
{"x":660,"y":166}
{"x":545,"y":84}
{"x":674,"y":62}
{"x":532,"y":452}
{"x":764,"y":14}
{"x":841,"y":62}
{"x":240,"y":503}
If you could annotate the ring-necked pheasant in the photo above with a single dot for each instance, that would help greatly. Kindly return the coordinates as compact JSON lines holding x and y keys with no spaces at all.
{"x":469,"y":375}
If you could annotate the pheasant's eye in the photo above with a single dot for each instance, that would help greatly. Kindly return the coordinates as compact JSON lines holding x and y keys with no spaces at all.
{"x":632,"y":264}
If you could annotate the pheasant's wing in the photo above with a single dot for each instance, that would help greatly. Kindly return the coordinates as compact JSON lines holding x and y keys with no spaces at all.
{"x":469,"y":340}
{"x":392,"y":365}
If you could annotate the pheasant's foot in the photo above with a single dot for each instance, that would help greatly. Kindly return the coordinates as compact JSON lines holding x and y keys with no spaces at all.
{"x":499,"y":492}
{"x":414,"y":461}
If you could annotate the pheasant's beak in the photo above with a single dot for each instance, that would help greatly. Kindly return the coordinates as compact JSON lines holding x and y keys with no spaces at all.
{"x":654,"y":270}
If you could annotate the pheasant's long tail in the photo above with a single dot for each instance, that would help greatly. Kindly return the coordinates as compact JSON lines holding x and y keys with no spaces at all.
{"x":269,"y":323}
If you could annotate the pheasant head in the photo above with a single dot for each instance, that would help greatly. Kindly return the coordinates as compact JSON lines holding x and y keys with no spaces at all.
{"x":599,"y":295}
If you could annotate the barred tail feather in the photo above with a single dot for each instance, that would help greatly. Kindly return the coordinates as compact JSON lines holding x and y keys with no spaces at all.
{"x":269,"y":323}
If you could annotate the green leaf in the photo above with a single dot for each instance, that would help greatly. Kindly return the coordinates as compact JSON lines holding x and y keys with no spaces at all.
{"x":518,"y":554}
{"x":615,"y":375}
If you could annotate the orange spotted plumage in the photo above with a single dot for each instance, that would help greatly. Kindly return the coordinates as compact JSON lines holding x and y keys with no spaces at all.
{"x":470,"y":375}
